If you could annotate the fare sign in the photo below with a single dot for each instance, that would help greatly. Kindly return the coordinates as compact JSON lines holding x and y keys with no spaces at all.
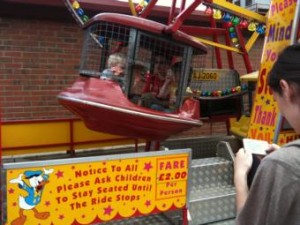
{"x":89,"y":192}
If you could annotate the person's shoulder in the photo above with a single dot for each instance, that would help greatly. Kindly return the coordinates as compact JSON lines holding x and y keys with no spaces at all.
{"x":293,"y":144}
{"x":106,"y":74}
{"x":288,"y":154}
{"x":118,"y":78}
{"x":291,"y":148}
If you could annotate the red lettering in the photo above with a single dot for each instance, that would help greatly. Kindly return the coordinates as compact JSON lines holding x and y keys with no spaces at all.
{"x":176,"y":164}
{"x":261,"y":81}
{"x":263,"y":87}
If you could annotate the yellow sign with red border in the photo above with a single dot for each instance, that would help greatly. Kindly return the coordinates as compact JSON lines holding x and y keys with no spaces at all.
{"x":265,"y":113}
{"x":93,"y":190}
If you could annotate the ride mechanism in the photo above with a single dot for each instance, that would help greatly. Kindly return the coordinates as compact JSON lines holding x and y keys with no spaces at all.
{"x":91,"y":98}
{"x":102,"y":104}
{"x":225,"y":20}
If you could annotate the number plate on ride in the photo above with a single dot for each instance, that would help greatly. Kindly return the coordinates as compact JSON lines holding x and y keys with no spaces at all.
{"x":205,"y":75}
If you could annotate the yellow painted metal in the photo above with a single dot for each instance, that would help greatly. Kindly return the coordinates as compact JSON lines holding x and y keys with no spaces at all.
{"x":132,"y":9}
{"x":240,"y":128}
{"x":251,"y":41}
{"x":218,"y":45}
{"x":53,"y":136}
{"x":239,"y":11}
{"x":26,"y":134}
{"x":81,"y":133}
{"x":250,"y":77}
{"x":269,"y":127}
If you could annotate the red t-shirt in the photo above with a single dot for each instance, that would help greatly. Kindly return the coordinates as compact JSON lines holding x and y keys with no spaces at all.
{"x":153,"y":84}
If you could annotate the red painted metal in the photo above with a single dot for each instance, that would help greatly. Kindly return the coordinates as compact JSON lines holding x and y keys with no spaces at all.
{"x":1,"y":165}
{"x":112,"y":112}
{"x":148,"y":146}
{"x":146,"y":25}
{"x":215,"y":39}
{"x":152,"y":146}
{"x":185,"y":216}
{"x":104,"y":107}
{"x":148,"y":9}
{"x":37,"y":2}
{"x":172,"y":12}
{"x":182,"y":7}
{"x":243,"y":49}
{"x":229,"y":53}
{"x":247,"y":63}
{"x":71,"y":130}
{"x":126,"y":20}
{"x":157,"y":145}
{"x":136,"y":143}
{"x":183,"y":15}
{"x":194,"y":30}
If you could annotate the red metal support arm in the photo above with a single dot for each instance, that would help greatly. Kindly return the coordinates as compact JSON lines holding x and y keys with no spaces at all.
{"x":182,"y":16}
{"x":194,"y":30}
{"x":243,"y":49}
{"x":148,"y":9}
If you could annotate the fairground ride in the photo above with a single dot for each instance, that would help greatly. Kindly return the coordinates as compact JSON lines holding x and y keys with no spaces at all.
{"x":101,"y":103}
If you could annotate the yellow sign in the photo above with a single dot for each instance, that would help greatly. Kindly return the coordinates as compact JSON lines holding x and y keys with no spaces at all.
{"x":99,"y":190}
{"x":265,"y":113}
{"x":287,"y":136}
{"x":205,"y":75}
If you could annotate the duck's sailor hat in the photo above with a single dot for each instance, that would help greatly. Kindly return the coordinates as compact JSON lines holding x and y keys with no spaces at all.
{"x":29,"y":174}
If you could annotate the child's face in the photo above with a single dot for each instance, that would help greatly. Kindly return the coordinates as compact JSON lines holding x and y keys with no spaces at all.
{"x":160,"y":66}
{"x":119,"y":69}
{"x":138,"y":72}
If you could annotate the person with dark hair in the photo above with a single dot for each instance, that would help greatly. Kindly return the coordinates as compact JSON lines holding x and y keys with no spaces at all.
{"x":155,"y":94}
{"x":274,"y":196}
{"x":138,"y":82}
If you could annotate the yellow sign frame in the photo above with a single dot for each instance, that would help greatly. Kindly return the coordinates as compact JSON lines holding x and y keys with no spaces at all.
{"x":265,"y":116}
{"x":96,"y":189}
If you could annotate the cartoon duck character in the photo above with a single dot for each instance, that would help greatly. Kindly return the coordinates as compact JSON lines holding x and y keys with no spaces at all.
{"x":37,"y":180}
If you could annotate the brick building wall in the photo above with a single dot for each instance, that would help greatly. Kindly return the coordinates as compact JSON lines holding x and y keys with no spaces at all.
{"x":39,"y":58}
